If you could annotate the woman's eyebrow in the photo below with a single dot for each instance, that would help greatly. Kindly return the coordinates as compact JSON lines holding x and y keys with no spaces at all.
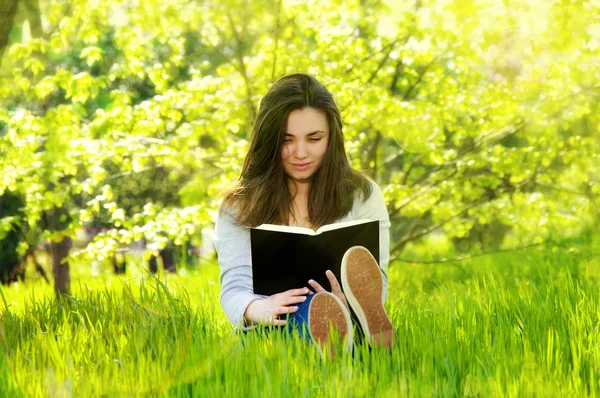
{"x":309,"y":134}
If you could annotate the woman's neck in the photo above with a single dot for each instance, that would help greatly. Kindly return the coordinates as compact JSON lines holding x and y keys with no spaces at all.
{"x":299,"y":208}
{"x":299,"y":190}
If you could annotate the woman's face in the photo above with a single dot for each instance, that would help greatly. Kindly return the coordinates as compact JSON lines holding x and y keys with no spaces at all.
{"x":306,"y":138}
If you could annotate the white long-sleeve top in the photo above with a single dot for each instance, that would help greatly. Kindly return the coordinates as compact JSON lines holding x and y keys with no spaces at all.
{"x":232,"y":243}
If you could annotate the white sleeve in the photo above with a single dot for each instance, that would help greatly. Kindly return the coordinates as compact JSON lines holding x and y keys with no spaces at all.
{"x":232,"y":243}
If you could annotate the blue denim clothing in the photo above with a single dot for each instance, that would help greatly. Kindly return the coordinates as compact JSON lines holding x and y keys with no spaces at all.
{"x":298,"y":321}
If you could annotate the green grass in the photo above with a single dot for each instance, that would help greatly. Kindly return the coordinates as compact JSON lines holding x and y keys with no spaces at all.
{"x":514,"y":324}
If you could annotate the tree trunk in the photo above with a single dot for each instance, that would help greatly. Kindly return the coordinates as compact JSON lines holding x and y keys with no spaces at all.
{"x":153,"y":265}
{"x":119,"y":267}
{"x":9,"y":241}
{"x":58,"y":221}
{"x":168,"y":257}
{"x":33,"y":15}
{"x":8,"y":10}
{"x":62,"y":276}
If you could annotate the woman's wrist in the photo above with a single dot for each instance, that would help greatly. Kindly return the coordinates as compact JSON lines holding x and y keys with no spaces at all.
{"x":249,"y":319}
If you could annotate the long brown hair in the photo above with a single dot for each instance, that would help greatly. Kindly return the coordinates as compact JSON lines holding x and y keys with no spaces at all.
{"x":261,"y":194}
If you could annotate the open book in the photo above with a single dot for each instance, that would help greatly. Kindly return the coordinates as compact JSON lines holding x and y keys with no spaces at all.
{"x":286,"y":258}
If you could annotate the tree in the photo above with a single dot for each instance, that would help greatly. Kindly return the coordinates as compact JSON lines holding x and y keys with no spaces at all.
{"x":485,"y":129}
{"x":10,"y":238}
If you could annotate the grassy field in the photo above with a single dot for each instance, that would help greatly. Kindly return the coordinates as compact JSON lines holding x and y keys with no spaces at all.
{"x":514,"y":324}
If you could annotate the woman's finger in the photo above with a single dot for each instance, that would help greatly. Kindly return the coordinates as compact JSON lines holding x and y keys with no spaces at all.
{"x":295,"y":300}
{"x":279,"y":322}
{"x":268,"y":319}
{"x":295,"y":292}
{"x":315,"y":285}
{"x":286,"y":310}
{"x":335,"y":285}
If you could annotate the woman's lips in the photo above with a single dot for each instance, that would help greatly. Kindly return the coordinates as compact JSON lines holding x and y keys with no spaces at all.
{"x":301,"y":166}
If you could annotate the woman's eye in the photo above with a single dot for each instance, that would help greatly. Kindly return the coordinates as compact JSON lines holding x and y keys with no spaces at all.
{"x":315,"y":139}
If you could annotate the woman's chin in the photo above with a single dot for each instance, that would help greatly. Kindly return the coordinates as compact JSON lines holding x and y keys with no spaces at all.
{"x":301,"y":177}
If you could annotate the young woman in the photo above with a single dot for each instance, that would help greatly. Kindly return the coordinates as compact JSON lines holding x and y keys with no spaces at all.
{"x":296,"y":173}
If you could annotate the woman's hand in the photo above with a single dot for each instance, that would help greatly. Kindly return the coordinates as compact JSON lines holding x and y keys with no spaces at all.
{"x":268,"y":310}
{"x":335,"y":287}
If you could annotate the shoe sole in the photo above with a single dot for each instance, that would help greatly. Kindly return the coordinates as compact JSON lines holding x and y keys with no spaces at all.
{"x":325,"y":309}
{"x":363,"y":286}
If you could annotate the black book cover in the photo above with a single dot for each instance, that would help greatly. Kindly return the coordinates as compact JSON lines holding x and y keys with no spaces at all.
{"x":286,"y":260}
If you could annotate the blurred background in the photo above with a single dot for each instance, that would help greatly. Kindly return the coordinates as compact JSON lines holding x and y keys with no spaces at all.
{"x":121,"y":122}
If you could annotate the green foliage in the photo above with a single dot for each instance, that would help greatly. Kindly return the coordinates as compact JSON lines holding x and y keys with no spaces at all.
{"x":470,"y":115}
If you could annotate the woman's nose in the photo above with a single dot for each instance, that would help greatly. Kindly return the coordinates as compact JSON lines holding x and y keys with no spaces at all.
{"x":300,"y":151}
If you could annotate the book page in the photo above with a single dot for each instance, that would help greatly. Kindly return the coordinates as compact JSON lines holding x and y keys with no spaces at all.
{"x":308,"y":231}
{"x":331,"y":227}
{"x":285,"y":228}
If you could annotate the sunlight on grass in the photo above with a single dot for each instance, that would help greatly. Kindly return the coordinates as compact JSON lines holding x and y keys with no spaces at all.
{"x":509,"y":324}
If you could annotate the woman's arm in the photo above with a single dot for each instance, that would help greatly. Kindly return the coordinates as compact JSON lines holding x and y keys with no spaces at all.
{"x":232,"y":243}
{"x":243,"y":308}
